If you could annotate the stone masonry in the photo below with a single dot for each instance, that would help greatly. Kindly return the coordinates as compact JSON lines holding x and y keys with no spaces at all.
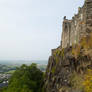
{"x":79,"y":26}
{"x":63,"y":64}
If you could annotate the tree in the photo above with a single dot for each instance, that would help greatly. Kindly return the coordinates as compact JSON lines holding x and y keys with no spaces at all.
{"x":26,"y":79}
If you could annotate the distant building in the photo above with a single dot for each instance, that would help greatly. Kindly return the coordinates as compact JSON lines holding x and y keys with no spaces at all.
{"x":79,"y":26}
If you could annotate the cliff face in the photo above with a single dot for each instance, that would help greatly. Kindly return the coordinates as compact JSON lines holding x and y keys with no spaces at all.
{"x":65,"y":71}
{"x":69,"y":63}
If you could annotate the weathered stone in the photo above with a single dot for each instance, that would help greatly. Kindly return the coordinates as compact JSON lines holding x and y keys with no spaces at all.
{"x":76,"y":28}
{"x":62,"y":64}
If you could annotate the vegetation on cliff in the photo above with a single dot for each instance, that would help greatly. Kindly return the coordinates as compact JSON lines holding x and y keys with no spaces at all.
{"x":70,"y":69}
{"x":87,"y":83}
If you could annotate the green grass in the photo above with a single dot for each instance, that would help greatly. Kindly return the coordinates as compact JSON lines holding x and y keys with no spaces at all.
{"x":10,"y":72}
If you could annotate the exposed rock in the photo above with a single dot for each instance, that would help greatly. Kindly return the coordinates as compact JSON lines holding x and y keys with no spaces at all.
{"x":68,"y":63}
{"x":61,"y":67}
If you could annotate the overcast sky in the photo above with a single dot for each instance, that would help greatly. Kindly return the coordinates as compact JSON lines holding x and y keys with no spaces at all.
{"x":29,"y":29}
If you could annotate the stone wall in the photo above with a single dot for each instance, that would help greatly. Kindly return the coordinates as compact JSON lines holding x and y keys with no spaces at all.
{"x":66,"y":33}
{"x":79,"y":26}
{"x":63,"y":63}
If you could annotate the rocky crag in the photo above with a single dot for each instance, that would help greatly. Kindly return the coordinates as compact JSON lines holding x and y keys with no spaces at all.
{"x":68,"y":64}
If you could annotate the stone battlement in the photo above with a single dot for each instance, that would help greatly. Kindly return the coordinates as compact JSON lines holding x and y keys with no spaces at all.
{"x":79,"y":26}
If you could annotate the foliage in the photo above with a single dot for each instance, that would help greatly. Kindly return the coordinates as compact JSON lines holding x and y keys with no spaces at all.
{"x":62,"y":52}
{"x":53,"y":69}
{"x":57,"y":60}
{"x":58,"y":53}
{"x":76,"y":81}
{"x":86,"y":42}
{"x":76,"y":50}
{"x":26,"y":79}
{"x":90,"y":41}
{"x":88,"y":81}
{"x":42,"y":67}
{"x":64,"y":89}
{"x":7,"y":68}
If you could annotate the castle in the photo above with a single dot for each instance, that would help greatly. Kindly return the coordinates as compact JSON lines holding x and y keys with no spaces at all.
{"x":65,"y":64}
{"x":80,"y":25}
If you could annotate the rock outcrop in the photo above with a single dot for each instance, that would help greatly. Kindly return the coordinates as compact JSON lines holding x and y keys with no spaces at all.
{"x":67,"y":66}
{"x":63,"y":68}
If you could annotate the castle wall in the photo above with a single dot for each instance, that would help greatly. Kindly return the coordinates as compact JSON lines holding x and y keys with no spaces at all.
{"x":79,"y":26}
{"x":89,"y":16}
{"x":66,"y":33}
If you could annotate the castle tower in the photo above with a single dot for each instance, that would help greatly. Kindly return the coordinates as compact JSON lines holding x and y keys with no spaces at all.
{"x":66,"y":32}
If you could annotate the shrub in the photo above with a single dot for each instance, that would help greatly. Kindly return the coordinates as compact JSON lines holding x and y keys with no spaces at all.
{"x":76,"y":50}
{"x":76,"y":81}
{"x":88,"y":81}
{"x":53,"y":69}
{"x":86,"y":42}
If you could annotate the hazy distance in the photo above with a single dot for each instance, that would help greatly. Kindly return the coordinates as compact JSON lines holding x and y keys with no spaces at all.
{"x":29,"y":29}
